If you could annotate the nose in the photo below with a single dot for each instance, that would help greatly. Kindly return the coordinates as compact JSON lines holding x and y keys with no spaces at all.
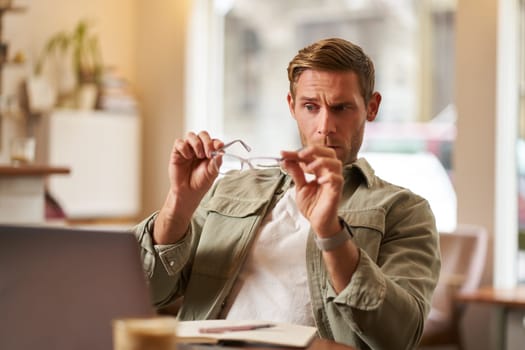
{"x":326,"y":125}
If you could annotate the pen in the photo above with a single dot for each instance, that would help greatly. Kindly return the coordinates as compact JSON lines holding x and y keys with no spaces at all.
{"x":246,"y":327}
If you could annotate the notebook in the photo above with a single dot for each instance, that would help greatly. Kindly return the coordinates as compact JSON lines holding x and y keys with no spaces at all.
{"x":248,"y":332}
{"x":60,"y":288}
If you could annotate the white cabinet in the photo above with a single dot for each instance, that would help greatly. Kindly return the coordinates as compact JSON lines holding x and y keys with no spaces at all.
{"x":103,"y":151}
{"x":22,"y":192}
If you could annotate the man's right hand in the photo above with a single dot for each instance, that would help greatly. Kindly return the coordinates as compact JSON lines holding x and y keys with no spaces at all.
{"x":191,"y":174}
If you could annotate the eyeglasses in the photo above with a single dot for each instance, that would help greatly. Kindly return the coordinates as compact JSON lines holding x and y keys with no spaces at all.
{"x":227,"y":163}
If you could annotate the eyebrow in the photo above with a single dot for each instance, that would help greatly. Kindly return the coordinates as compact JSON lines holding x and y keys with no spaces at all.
{"x":332,"y":105}
{"x":341,"y":104}
{"x":308,"y":99}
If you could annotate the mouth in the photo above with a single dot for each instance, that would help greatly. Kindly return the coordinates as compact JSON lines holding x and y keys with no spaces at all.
{"x":329,"y":144}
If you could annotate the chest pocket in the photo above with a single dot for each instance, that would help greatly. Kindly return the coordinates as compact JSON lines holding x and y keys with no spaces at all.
{"x":227,"y":233}
{"x":368,"y":227}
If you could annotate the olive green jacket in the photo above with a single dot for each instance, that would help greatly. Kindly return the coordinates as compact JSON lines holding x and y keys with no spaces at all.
{"x":388,"y":298}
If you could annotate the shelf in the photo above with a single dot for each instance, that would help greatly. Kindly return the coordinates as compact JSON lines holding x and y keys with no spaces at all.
{"x":31,"y":170}
{"x":11,"y":63}
{"x":12,"y":9}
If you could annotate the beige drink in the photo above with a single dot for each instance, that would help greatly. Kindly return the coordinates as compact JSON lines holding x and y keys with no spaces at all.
{"x":156,"y":333}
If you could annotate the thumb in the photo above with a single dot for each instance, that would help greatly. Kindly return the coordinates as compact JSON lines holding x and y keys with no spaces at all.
{"x":294,"y":170}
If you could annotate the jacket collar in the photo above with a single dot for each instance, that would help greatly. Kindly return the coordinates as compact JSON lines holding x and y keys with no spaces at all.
{"x":362,"y":167}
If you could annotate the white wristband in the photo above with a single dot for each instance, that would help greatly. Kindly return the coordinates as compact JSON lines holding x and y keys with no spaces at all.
{"x":336,"y":240}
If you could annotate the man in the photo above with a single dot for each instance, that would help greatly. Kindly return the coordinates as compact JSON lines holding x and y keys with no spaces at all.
{"x":235,"y":248}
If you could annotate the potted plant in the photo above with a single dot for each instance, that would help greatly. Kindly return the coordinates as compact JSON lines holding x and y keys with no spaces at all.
{"x":81,"y":46}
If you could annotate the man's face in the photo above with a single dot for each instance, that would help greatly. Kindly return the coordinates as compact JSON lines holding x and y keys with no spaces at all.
{"x":330,"y":111}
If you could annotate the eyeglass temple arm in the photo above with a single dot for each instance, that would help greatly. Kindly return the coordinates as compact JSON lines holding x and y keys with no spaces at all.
{"x":246,"y":147}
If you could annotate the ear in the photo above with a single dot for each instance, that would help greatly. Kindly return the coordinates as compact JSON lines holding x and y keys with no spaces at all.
{"x":373,"y":106}
{"x":291,"y":104}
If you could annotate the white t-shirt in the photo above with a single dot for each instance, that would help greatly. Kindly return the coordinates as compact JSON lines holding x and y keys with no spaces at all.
{"x":272,"y":284}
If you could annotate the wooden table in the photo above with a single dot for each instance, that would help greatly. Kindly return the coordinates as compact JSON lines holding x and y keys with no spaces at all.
{"x":22,"y":191}
{"x":317,"y":344}
{"x":503,"y":299}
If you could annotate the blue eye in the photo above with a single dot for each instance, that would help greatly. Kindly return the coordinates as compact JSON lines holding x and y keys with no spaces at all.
{"x":309,"y":107}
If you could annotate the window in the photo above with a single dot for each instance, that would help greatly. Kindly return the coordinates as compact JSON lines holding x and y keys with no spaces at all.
{"x":520,"y":148}
{"x":238,"y":83}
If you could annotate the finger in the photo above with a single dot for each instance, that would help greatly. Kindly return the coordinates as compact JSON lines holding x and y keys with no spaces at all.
{"x":182,"y":149}
{"x":216,"y":159}
{"x":196,"y":144}
{"x":321,"y":165}
{"x":209,"y":144}
{"x":290,"y":155}
{"x":330,"y":178}
{"x":293,"y":168}
{"x":217,"y":144}
{"x":310,"y":153}
{"x":213,"y":145}
{"x":326,"y":170}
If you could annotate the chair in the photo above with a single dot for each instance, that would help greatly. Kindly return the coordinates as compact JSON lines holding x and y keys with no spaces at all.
{"x":463,"y":255}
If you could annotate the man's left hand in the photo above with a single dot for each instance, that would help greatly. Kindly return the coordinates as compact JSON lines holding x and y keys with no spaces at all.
{"x":317,"y":199}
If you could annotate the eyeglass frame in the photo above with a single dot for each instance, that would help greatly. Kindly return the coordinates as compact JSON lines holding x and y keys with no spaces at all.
{"x":242,"y":160}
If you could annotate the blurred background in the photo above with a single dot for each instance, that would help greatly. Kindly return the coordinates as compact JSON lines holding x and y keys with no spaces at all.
{"x":104,"y":87}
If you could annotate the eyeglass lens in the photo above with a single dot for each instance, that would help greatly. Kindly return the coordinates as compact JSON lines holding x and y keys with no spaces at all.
{"x":226,"y":163}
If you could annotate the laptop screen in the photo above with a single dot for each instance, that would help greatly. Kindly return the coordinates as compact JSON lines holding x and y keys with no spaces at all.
{"x":60,"y":288}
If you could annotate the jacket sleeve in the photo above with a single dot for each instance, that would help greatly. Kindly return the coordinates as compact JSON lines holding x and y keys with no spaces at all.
{"x":168,"y":267}
{"x":163,"y":264}
{"x":389,"y":296}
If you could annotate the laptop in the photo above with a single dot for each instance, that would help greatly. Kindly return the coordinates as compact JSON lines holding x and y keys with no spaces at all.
{"x":60,"y":288}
